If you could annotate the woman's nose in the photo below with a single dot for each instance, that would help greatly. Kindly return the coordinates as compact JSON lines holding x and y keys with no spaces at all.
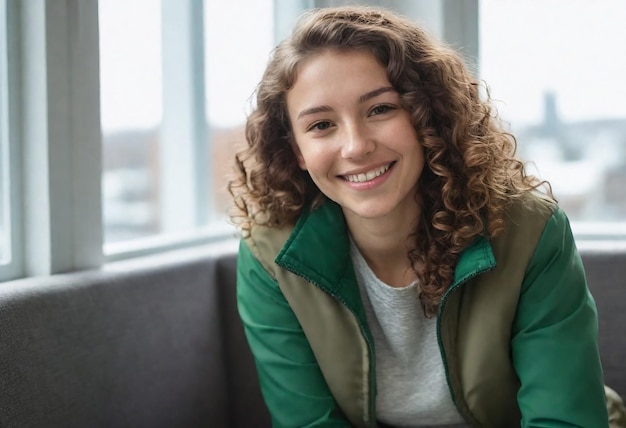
{"x":357,"y":142}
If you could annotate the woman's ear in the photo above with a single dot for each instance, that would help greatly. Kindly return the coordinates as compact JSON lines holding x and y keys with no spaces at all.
{"x":297,"y":152}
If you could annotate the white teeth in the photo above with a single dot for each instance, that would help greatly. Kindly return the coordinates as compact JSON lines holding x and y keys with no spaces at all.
{"x":370,"y":175}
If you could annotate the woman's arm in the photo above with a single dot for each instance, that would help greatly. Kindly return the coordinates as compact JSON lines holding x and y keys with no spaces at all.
{"x":292,"y":384}
{"x":555,"y":337}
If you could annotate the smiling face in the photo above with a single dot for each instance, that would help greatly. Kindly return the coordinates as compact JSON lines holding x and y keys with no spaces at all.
{"x":353,"y":136}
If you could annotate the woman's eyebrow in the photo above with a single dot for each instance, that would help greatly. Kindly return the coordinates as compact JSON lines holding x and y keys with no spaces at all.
{"x":313,"y":110}
{"x":375,"y":93}
{"x":363,"y":98}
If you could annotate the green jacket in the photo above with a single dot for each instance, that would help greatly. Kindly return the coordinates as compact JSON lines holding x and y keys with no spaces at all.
{"x":517,"y":328}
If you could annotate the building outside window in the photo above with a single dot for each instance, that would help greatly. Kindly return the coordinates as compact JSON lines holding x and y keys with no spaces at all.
{"x":556,"y":70}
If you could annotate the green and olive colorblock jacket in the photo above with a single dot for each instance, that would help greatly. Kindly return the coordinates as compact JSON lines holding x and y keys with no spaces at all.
{"x":517,"y":328}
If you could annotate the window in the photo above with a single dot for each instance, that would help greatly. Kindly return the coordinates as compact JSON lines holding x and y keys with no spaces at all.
{"x":558,"y":69}
{"x":233,"y":70}
{"x":155,"y":94}
{"x":131,"y":114}
{"x":173,"y":99}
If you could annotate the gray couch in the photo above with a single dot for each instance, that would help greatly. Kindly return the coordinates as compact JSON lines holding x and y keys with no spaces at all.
{"x":158,"y":343}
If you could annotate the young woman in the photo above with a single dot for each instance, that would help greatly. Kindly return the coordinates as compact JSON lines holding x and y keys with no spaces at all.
{"x":398,"y":266}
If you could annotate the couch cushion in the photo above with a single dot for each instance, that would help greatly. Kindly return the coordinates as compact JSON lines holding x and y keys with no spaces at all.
{"x":248,"y":407}
{"x":133,"y":347}
{"x":606,"y":274}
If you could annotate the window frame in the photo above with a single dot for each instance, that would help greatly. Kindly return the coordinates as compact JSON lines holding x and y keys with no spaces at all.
{"x":60,"y":161}
{"x":56,"y":163}
{"x":185,"y":179}
{"x":9,"y":135}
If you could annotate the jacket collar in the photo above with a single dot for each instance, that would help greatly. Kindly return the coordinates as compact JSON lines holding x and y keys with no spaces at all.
{"x":318,"y":249}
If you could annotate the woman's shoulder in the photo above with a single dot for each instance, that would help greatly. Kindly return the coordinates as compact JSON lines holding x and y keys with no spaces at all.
{"x":532,"y":206}
{"x":525,"y":222}
{"x":266,"y":242}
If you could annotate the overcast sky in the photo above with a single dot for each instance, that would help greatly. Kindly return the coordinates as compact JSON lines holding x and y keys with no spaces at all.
{"x":575,"y":48}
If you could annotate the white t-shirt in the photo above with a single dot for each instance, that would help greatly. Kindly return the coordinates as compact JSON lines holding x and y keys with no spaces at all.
{"x":411,"y":382}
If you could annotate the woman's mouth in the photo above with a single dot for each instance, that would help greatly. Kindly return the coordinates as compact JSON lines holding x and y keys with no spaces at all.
{"x":369,"y":175}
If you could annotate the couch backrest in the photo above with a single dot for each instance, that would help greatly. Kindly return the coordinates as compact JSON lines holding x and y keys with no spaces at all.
{"x":606,"y":274}
{"x":160,"y":344}
{"x":129,"y":348}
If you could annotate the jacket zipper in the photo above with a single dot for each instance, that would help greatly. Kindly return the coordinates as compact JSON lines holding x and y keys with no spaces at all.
{"x":453,"y":288}
{"x":372,"y":374}
{"x":372,"y":361}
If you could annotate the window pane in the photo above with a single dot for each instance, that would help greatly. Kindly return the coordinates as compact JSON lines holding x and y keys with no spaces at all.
{"x":131,"y":112}
{"x":557,"y":66}
{"x":239,"y":38}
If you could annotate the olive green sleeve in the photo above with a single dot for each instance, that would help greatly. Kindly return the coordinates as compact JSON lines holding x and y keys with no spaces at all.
{"x":292,"y":384}
{"x":555,"y":337}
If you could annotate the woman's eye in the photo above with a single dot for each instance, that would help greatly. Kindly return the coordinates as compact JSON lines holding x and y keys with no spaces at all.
{"x":320,"y":126}
{"x":380,"y":110}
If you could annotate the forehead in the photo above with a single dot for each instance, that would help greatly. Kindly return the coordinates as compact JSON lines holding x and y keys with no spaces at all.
{"x":336,"y":75}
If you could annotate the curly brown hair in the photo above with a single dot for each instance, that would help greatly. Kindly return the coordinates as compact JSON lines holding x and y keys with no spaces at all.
{"x":471,"y":173}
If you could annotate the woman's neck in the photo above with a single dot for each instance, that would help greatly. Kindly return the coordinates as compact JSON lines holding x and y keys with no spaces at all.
{"x":384,"y":244}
